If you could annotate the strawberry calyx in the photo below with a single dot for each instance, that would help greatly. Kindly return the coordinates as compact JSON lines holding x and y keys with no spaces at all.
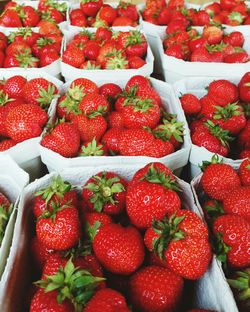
{"x":99,"y":23}
{"x":216,"y":47}
{"x":168,"y":129}
{"x":82,"y":249}
{"x":4,"y":98}
{"x":46,"y":15}
{"x":46,"y":96}
{"x":41,"y":42}
{"x":241,"y":283}
{"x":61,"y":7}
{"x":167,"y":230}
{"x":76,"y":92}
{"x":91,"y":66}
{"x":103,"y":190}
{"x":155,"y":175}
{"x":56,"y":187}
{"x":214,"y":210}
{"x":70,"y":105}
{"x":87,"y":1}
{"x":92,"y":149}
{"x":86,"y":33}
{"x":25,"y":59}
{"x":100,"y":111}
{"x":236,"y":16}
{"x":117,"y":62}
{"x":5,"y":212}
{"x":227,"y":111}
{"x":72,"y":283}
{"x":91,"y":230}
{"x":222,"y":135}
{"x":23,"y":31}
{"x":138,"y":104}
{"x":134,"y":37}
{"x":214,"y":160}
{"x":220,"y":248}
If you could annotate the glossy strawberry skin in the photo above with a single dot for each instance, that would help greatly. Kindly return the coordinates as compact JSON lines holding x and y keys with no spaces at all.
{"x":120,"y":250}
{"x":223,"y":92}
{"x":244,"y":172}
{"x":14,"y":86}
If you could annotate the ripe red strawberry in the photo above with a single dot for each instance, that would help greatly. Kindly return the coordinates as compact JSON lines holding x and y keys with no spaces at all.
{"x":22,"y":59}
{"x":155,"y":289}
{"x":197,"y":43}
{"x":108,"y":14}
{"x":128,"y":10}
{"x":223,"y":92}
{"x":90,"y":127}
{"x":73,"y":56}
{"x":105,"y":192}
{"x":110,"y":90}
{"x":80,"y":87}
{"x":6,"y":144}
{"x":219,"y":179}
{"x":29,"y":16}
{"x":14,"y":86}
{"x":176,"y":50}
{"x":244,"y":137}
{"x":244,"y":172}
{"x":120,"y":250}
{"x":48,"y":301}
{"x":103,"y":33}
{"x":237,"y":57}
{"x":212,"y":34}
{"x":233,"y":236}
{"x":136,"y":62}
{"x":189,"y":233}
{"x":111,"y":140}
{"x":140,"y":81}
{"x":60,"y":229}
{"x":40,"y":253}
{"x":244,"y":87}
{"x":93,"y":221}
{"x":115,"y":120}
{"x":201,"y":18}
{"x":39,"y":91}
{"x":57,"y":191}
{"x":25,"y":122}
{"x":235,"y":39}
{"x":94,"y":102}
{"x":107,"y":300}
{"x":64,"y":139}
{"x":154,"y":189}
{"x":136,"y":44}
{"x":48,"y":57}
{"x":90,"y":8}
{"x":10,"y":18}
{"x":237,"y":202}
{"x":123,"y":21}
{"x":190,"y":104}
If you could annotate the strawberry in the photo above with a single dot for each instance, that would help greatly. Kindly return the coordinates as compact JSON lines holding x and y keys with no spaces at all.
{"x":103,"y":33}
{"x":244,"y":172}
{"x":196,"y":43}
{"x":176,"y":50}
{"x":90,"y":7}
{"x":22,"y":59}
{"x":189,"y":234}
{"x":94,"y":221}
{"x":136,"y":44}
{"x":39,"y":91}
{"x":115,"y":120}
{"x":107,"y":300}
{"x":237,"y":202}
{"x":25,"y":122}
{"x":80,"y":87}
{"x":157,"y":189}
{"x":92,"y":148}
{"x":14,"y":86}
{"x":201,"y":18}
{"x":140,"y":81}
{"x":10,"y":18}
{"x":232,"y":240}
{"x":128,"y":10}
{"x":120,"y":250}
{"x":244,"y":87}
{"x":105,"y":192}
{"x":6,"y":144}
{"x":190,"y":104}
{"x":91,"y":50}
{"x":110,"y":90}
{"x":94,"y":102}
{"x":40,"y":253}
{"x":244,"y":137}
{"x":48,"y":58}
{"x":223,"y":92}
{"x":212,"y":34}
{"x":73,"y":56}
{"x":123,"y":21}
{"x":213,"y":8}
{"x":59,"y":229}
{"x":29,"y":16}
{"x":153,"y":288}
{"x":6,"y":209}
{"x":57,"y":191}
{"x":91,"y":126}
{"x":219,"y":179}
{"x":111,"y":140}
{"x":136,"y":62}
{"x":64,"y":139}
{"x":237,"y":57}
{"x":235,"y":39}
{"x":108,"y":14}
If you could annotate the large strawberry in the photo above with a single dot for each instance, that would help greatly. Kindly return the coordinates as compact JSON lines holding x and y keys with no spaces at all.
{"x":155,"y":289}
{"x":90,"y":7}
{"x":120,"y":250}
{"x":219,"y":179}
{"x":232,"y":240}
{"x":105,"y":192}
{"x":25,"y":122}
{"x":64,"y":139}
{"x":155,"y":189}
{"x":182,"y":241}
{"x":14,"y":86}
{"x":94,"y":102}
{"x":223,"y":92}
{"x":59,"y":228}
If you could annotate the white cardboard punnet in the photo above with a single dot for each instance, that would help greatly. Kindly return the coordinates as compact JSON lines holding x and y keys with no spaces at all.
{"x":12,"y":181}
{"x":18,"y":283}
{"x":69,"y":72}
{"x":26,"y":154}
{"x":177,"y":160}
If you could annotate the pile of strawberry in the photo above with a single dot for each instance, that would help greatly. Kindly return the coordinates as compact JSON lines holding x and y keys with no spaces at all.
{"x":219,"y":121}
{"x":26,"y":48}
{"x":106,"y":49}
{"x":226,"y":204}
{"x":23,"y":108}
{"x":15,"y":15}
{"x":116,"y":239}
{"x":111,"y":121}
{"x":175,"y":13}
{"x":6,"y":208}
{"x":212,"y":45}
{"x":96,"y":14}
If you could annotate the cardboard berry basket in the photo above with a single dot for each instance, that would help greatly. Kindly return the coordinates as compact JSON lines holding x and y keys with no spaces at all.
{"x":175,"y":69}
{"x":69,"y":72}
{"x":175,"y":161}
{"x":12,"y":181}
{"x":76,"y":5}
{"x":230,"y":304}
{"x":34,"y":4}
{"x":52,"y":69}
{"x":197,"y":86}
{"x":26,"y":154}
{"x":18,"y":284}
